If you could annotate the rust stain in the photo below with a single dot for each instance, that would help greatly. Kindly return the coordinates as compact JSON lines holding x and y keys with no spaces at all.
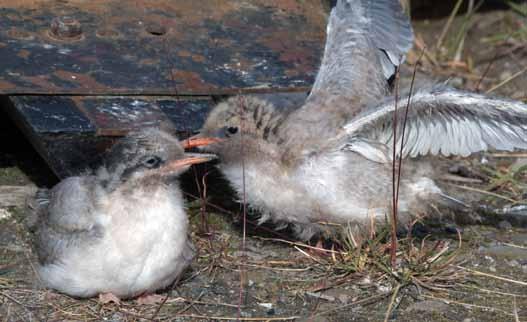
{"x":6,"y":85}
{"x":82,"y":80}
{"x":113,"y":132}
{"x":149,"y":61}
{"x":24,"y":53}
{"x":199,"y":58}
{"x":195,"y":57}
{"x":212,"y":9}
{"x":18,"y":33}
{"x":293,"y":23}
{"x":184,"y":53}
{"x":79,"y":102}
{"x":41,"y":81}
{"x":88,"y":59}
{"x":191,"y":80}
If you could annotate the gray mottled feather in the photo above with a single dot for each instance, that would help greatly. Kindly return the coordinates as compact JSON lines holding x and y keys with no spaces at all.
{"x":440,"y":120}
{"x":65,"y":218}
{"x":366,"y":40}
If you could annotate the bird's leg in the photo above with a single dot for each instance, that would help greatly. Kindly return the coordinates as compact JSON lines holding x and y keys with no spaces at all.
{"x":319,"y":249}
{"x":148,"y":299}
{"x":105,"y":298}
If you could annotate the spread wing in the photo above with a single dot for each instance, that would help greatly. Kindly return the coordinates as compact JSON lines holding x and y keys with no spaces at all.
{"x":365,"y":41}
{"x":440,"y":120}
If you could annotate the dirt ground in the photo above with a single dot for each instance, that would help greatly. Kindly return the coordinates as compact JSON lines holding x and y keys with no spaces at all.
{"x":478,"y":275}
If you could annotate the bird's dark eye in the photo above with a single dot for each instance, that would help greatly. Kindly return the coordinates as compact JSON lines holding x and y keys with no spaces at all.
{"x":152,"y":162}
{"x":232,"y":130}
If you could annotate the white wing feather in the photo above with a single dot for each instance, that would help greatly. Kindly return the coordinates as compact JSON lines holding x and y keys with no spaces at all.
{"x":440,"y":120}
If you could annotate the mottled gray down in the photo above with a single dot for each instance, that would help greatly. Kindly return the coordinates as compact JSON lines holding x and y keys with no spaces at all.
{"x":119,"y":230}
{"x":66,"y":218}
{"x":330,"y":160}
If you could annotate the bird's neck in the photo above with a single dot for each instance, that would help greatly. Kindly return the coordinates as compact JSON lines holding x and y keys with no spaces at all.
{"x":317,"y":122}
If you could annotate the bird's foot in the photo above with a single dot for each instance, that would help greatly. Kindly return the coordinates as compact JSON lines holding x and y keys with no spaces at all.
{"x":319,"y":249}
{"x":149,"y":299}
{"x":105,"y":298}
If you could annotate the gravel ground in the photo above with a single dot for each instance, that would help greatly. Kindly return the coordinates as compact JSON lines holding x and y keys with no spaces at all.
{"x":480,"y":275}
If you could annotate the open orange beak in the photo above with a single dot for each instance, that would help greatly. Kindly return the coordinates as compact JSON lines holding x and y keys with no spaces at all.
{"x":190,"y":159}
{"x":195,"y":141}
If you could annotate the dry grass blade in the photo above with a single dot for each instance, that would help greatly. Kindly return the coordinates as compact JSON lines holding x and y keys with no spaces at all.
{"x":505,"y":81}
{"x":504,"y":279}
{"x":482,"y":192}
{"x":509,"y":155}
{"x":515,"y":310}
{"x":521,"y":9}
{"x":448,"y":24}
{"x":227,"y":318}
{"x":302,"y":245}
{"x":392,"y":301}
{"x":308,"y":256}
{"x":486,"y":308}
{"x":515,"y":246}
{"x":484,"y":290}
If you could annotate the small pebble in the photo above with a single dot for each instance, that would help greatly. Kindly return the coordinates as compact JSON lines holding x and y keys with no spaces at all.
{"x":504,"y":225}
{"x":384,"y":288}
{"x":490,"y":259}
{"x":266,"y":305}
{"x":513,"y":263}
{"x":4,"y":214}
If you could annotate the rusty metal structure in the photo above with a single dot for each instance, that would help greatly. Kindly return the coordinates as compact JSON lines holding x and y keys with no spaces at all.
{"x":77,"y":74}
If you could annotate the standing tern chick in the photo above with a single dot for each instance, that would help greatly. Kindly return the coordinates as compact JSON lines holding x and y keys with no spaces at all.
{"x":331,"y":159}
{"x":122,"y":231}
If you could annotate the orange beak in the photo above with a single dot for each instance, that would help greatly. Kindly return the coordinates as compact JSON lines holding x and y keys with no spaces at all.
{"x":192,"y":158}
{"x":195,"y":141}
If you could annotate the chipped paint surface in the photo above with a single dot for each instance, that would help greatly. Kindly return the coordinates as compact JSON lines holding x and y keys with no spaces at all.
{"x":147,"y":52}
{"x":161,"y":47}
{"x":70,"y":131}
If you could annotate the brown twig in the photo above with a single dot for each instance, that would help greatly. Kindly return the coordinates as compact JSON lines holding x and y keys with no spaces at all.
{"x":487,"y":69}
{"x":393,"y":248}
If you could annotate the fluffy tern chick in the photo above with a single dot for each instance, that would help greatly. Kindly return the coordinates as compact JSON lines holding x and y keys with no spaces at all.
{"x":120,"y":232}
{"x":331,"y":159}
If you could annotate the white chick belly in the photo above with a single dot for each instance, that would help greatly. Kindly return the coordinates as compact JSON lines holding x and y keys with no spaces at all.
{"x":140,"y":252}
{"x":272,"y":193}
{"x":341,"y":196}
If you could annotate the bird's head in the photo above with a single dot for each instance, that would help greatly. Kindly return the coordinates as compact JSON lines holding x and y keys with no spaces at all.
{"x":148,"y":154}
{"x":240,"y":125}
